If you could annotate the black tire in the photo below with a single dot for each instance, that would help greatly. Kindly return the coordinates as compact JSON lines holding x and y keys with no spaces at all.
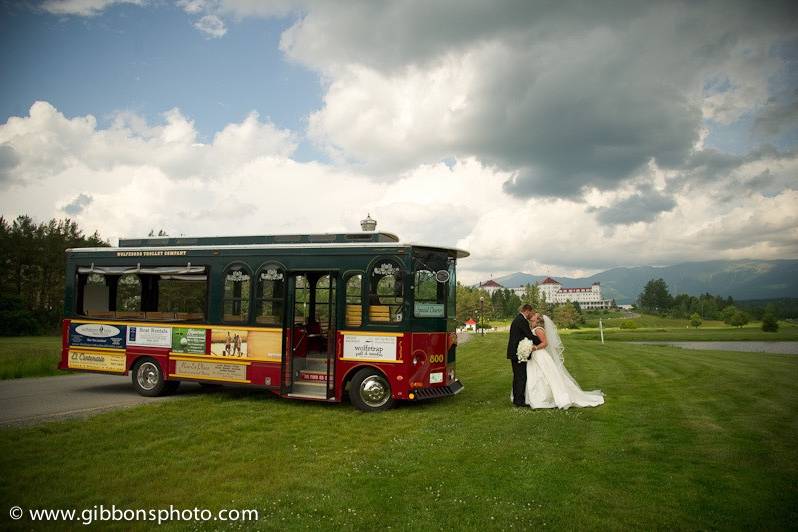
{"x":370,"y":391}
{"x":170,"y":387}
{"x":148,"y":379}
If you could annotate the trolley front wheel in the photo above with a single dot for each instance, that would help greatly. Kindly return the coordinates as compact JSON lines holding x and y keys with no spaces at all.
{"x":370,"y":391}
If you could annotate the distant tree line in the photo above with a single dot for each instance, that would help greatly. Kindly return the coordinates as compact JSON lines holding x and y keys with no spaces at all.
{"x":499,"y":305}
{"x":32,"y":265}
{"x":504,"y":304}
{"x":657,"y":299}
{"x":782,"y":308}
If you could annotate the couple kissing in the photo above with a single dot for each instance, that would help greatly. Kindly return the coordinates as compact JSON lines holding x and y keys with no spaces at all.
{"x":540,"y":379}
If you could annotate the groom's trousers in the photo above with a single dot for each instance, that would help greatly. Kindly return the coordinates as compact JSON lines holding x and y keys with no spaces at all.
{"x":519,"y":381}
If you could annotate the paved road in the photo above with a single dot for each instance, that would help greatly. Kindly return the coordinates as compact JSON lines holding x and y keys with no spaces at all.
{"x":785,"y":348}
{"x":25,"y":401}
{"x":463,"y":338}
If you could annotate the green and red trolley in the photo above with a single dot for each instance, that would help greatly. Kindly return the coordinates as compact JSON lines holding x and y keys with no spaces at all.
{"x":304,"y":316}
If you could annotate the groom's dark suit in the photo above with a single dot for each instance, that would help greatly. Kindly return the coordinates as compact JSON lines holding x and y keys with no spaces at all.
{"x":519,"y":329}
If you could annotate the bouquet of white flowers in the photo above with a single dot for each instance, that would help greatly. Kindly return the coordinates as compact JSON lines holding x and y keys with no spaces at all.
{"x":524,"y":352}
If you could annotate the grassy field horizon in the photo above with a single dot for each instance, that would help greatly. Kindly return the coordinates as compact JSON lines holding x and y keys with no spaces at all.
{"x":686,"y":439}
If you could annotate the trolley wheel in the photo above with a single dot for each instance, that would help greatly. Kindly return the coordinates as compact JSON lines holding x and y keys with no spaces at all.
{"x":370,"y":391}
{"x":148,"y":379}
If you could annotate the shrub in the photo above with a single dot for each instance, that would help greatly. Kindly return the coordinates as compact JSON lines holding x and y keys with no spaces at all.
{"x":629,"y":324}
{"x":727,"y":313}
{"x":738,"y":319}
{"x":770,"y":323}
{"x":566,"y":316}
{"x":695,"y":320}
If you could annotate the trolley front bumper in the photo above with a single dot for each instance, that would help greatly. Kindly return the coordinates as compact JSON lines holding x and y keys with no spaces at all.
{"x":438,"y":391}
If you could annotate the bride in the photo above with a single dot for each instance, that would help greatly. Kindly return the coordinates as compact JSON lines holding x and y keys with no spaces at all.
{"x":548,"y":383}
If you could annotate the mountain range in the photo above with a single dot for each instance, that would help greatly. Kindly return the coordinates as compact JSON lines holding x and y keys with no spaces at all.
{"x":740,"y":279}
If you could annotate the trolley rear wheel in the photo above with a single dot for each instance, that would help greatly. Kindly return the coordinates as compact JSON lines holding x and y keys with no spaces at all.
{"x":148,"y":379}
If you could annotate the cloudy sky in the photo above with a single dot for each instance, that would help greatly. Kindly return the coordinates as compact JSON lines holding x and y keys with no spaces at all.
{"x":548,"y":137}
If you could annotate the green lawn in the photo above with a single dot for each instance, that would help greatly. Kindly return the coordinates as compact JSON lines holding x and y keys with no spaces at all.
{"x":29,"y":356}
{"x":649,"y":320}
{"x":686,"y":440}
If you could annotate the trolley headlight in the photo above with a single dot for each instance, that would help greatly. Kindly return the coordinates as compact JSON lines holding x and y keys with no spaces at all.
{"x":419,"y":358}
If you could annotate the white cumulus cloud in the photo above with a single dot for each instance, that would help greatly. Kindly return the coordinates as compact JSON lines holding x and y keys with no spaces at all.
{"x":46,"y":142}
{"x":82,"y":8}
{"x":131,"y":177}
{"x":211,"y":25}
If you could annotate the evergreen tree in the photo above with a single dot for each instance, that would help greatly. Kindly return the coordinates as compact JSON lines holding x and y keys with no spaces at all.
{"x":32,"y":266}
{"x":711,"y":306}
{"x":532,"y":296}
{"x":655,"y":297}
{"x":511,"y":304}
{"x":498,"y":303}
{"x":681,"y":306}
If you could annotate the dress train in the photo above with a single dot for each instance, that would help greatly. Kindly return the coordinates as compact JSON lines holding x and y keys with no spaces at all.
{"x":549,"y":385}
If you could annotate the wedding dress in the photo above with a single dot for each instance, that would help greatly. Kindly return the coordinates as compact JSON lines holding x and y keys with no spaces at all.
{"x":548,"y":383}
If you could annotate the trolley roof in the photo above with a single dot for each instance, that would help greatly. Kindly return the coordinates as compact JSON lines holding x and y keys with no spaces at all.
{"x":323,"y":238}
{"x":316,"y":241}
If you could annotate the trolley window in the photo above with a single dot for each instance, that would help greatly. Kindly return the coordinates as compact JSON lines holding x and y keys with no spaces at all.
{"x":386,"y":292}
{"x":170,"y":293}
{"x":325,"y":295}
{"x":270,"y":295}
{"x":432,"y":281}
{"x":236,"y":294}
{"x":354,"y":300}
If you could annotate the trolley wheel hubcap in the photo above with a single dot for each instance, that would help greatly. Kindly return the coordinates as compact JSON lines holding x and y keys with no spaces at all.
{"x":375,"y":391}
{"x":147,"y":376}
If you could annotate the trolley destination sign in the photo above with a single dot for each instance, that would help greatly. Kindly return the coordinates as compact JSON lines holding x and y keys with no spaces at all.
{"x":158,"y":253}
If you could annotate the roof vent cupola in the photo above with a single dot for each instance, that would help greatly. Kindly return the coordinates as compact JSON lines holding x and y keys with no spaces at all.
{"x":368,"y":224}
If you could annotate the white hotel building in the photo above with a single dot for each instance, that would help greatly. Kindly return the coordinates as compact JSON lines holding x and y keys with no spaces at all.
{"x":553,"y":292}
{"x":588,"y":298}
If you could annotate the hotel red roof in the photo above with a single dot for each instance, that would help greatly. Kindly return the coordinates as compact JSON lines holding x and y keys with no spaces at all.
{"x":549,"y":280}
{"x":491,"y":284}
{"x":470,"y":322}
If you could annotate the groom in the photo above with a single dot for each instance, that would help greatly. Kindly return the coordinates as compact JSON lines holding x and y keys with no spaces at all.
{"x":519,"y":329}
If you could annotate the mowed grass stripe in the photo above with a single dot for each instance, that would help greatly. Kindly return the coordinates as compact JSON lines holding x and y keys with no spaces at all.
{"x":686,"y":439}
